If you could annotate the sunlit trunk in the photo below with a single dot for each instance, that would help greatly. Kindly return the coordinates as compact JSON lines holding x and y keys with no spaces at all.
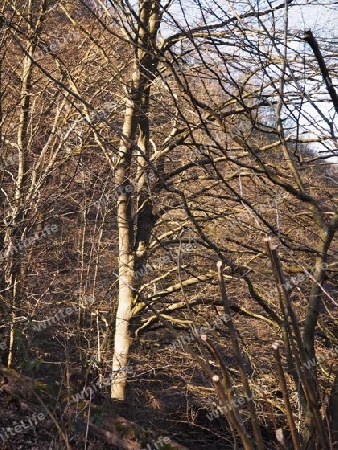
{"x":135,"y":127}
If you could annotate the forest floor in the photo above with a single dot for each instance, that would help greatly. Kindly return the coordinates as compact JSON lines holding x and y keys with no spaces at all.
{"x":168,"y":396}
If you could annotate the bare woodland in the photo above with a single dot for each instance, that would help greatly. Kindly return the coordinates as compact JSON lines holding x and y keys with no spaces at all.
{"x":168,"y":184}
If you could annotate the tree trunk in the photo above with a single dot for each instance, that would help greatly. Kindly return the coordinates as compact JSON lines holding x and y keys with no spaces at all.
{"x":136,"y":121}
{"x":126,"y":260}
{"x":311,"y":320}
{"x":14,"y":233}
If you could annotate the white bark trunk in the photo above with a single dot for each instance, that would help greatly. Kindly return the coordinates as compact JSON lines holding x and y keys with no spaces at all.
{"x":123,"y":315}
{"x":136,"y":121}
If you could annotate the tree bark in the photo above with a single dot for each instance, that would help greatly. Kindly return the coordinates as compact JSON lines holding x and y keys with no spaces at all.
{"x":136,"y":122}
